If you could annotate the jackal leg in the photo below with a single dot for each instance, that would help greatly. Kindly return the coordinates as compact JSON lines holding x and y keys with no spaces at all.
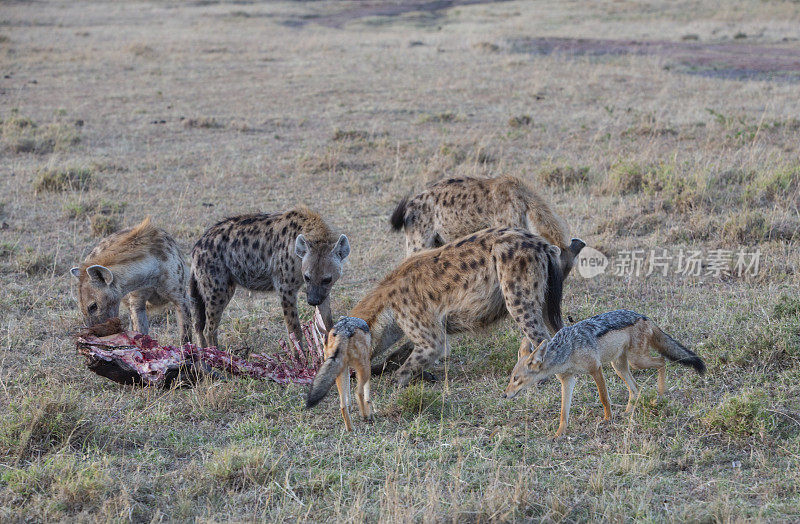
{"x":567,"y":387}
{"x":645,"y":361}
{"x":343,"y":385}
{"x":597,"y":375}
{"x":623,"y":370}
{"x":290,"y":316}
{"x":362,"y":391}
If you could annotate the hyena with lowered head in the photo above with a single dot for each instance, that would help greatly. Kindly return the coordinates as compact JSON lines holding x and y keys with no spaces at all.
{"x":265,"y":252}
{"x":141,"y":265}
{"x":453,"y":208}
{"x":465,"y":285}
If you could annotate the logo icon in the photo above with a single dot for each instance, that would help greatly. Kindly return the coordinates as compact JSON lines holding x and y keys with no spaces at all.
{"x":591,"y":262}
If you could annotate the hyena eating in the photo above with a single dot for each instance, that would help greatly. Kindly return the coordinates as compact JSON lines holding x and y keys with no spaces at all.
{"x":465,"y":285}
{"x":453,"y":208}
{"x":265,"y":252}
{"x":142,"y":265}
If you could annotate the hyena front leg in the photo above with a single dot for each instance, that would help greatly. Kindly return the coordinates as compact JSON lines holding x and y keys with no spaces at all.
{"x":290,"y":315}
{"x":137,"y":302}
{"x":523,"y":293}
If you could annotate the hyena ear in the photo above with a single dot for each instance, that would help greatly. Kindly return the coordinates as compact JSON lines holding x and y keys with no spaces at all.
{"x":342,"y":248}
{"x":576,"y":246}
{"x":555,"y":251}
{"x":300,"y":246}
{"x":100,"y":274}
{"x":76,"y":272}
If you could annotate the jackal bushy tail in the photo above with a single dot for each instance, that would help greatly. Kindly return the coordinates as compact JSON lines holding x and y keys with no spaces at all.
{"x":675,"y":351}
{"x":324,"y":379}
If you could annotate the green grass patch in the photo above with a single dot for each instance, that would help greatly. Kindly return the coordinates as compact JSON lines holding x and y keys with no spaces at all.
{"x":742,"y":415}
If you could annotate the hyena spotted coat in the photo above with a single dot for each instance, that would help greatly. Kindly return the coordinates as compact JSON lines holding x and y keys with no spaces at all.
{"x":464,"y":285}
{"x":141,"y":265}
{"x":265,"y":252}
{"x":453,"y":208}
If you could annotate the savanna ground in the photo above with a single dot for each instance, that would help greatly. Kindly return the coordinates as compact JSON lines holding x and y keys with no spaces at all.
{"x":196,"y":110}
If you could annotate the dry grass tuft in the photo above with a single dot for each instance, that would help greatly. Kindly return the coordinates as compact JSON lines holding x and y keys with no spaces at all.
{"x":202,"y":123}
{"x":563,"y":177}
{"x":103,"y":224}
{"x":520,"y":121}
{"x":64,"y":179}
{"x":34,"y":263}
{"x":23,"y":135}
{"x":40,"y":425}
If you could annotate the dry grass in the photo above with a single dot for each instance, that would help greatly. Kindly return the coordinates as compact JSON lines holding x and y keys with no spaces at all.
{"x":347,"y":115}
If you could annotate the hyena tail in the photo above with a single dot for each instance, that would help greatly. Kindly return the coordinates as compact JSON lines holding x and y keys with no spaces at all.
{"x":541,"y":216}
{"x":324,"y":379}
{"x":553,"y":292}
{"x":398,"y":218}
{"x":675,"y":351}
{"x":199,"y":306}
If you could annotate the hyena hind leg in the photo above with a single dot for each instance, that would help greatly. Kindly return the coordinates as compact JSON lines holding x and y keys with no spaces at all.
{"x":215,"y":299}
{"x":427,"y":348}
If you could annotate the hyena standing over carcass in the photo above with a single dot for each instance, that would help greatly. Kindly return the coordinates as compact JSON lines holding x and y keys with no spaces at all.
{"x":142,"y":265}
{"x":453,"y":208}
{"x":461,"y":286}
{"x":265,"y":252}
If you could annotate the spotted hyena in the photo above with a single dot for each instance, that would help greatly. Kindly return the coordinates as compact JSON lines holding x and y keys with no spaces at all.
{"x":265,"y":252}
{"x":453,"y":208}
{"x":141,"y":265}
{"x":465,"y":285}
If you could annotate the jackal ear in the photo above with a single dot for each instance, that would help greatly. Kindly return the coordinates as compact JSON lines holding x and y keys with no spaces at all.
{"x":342,"y":247}
{"x":100,"y":274}
{"x":300,"y":246}
{"x":538,"y":354}
{"x":76,"y":272}
{"x":524,"y":349}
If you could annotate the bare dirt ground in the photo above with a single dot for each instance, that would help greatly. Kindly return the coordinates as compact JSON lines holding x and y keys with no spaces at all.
{"x":655,"y":128}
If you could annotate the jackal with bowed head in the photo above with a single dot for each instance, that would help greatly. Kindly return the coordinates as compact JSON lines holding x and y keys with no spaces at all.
{"x":621,"y":337}
{"x":465,"y":285}
{"x":141,"y":265}
{"x":453,"y":208}
{"x":265,"y":252}
{"x":347,"y":345}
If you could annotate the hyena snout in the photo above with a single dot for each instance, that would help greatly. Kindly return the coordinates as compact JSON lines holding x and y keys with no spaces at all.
{"x":317,"y":293}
